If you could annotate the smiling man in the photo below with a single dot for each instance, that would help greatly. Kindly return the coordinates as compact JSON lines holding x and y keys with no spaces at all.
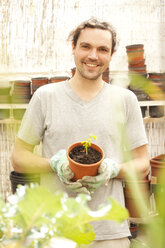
{"x":92,"y":54}
{"x":60,"y":114}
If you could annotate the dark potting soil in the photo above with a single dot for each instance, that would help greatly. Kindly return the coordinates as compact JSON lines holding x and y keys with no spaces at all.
{"x":78,"y":154}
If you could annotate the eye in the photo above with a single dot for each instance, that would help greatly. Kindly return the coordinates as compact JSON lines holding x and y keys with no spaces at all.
{"x":85,"y":46}
{"x":103,"y":49}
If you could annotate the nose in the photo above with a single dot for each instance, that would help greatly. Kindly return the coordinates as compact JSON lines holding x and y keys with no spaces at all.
{"x":93,"y":54}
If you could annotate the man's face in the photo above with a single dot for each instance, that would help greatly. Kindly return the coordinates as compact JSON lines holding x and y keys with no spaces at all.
{"x":92,"y":53}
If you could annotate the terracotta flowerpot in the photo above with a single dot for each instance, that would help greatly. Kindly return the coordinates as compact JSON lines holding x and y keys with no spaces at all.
{"x":37,"y":82}
{"x":21,"y":92}
{"x":156,"y":75}
{"x":80,"y":170}
{"x":134,"y":47}
{"x":138,"y":63}
{"x":131,"y":199}
{"x":58,"y":79}
{"x":158,"y":167}
{"x":158,"y":186}
{"x":135,"y":55}
{"x":158,"y":79}
{"x":22,"y":179}
{"x":141,"y":70}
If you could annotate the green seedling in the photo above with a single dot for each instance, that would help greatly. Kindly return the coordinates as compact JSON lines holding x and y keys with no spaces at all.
{"x":87,"y":142}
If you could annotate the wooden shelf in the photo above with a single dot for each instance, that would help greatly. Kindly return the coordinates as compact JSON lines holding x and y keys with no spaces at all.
{"x":147,"y":104}
{"x":149,"y":119}
{"x":10,"y":121}
{"x":24,"y":105}
{"x":13,"y":106}
{"x":151,"y":103}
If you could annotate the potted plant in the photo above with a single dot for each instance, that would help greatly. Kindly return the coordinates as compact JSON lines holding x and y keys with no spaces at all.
{"x":84,"y":158}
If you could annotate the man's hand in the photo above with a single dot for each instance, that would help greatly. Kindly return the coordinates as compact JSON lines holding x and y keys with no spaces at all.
{"x":107,"y":170}
{"x":60,"y":164}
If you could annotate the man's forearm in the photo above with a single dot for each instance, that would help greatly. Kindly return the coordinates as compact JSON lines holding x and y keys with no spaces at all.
{"x":138,"y":166}
{"x":28,"y":162}
{"x":25,"y":161}
{"x":135,"y":167}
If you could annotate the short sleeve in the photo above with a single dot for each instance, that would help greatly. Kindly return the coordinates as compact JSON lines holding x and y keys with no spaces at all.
{"x":134,"y":123}
{"x":32,"y":126}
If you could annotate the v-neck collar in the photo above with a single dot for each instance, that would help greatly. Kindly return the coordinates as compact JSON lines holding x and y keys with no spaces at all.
{"x":78,"y":99}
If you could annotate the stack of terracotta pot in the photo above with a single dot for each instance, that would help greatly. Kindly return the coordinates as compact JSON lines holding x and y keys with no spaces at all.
{"x":136,"y":65}
{"x":136,"y":60}
{"x":131,"y":198}
{"x":57,"y":79}
{"x":158,"y":79}
{"x":37,"y":82}
{"x":21,"y":92}
{"x":156,"y":93}
{"x":4,"y":98}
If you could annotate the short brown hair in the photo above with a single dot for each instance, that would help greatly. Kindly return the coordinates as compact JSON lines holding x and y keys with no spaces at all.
{"x":93,"y":23}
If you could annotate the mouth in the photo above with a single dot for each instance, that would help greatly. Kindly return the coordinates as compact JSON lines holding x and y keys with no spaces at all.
{"x":90,"y":65}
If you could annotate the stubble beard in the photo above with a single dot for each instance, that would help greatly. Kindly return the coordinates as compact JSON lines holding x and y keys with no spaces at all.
{"x":87,"y":76}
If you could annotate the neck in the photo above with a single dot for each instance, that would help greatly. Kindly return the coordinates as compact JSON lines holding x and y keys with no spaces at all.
{"x":86,"y":88}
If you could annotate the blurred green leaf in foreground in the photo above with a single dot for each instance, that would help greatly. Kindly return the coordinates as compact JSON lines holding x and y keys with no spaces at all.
{"x":33,"y":216}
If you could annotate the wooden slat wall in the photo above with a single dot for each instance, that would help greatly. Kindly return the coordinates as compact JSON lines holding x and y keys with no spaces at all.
{"x":33,"y":33}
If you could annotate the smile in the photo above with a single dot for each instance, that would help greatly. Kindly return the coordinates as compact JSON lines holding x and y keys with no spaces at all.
{"x":91,"y":65}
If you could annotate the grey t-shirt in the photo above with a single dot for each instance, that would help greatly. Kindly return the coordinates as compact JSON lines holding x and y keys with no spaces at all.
{"x":57,"y":117}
